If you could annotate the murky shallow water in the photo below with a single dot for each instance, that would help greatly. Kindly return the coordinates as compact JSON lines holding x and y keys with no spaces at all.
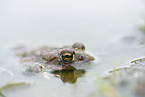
{"x":109,"y":29}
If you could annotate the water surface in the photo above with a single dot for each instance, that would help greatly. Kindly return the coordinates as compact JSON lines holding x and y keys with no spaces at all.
{"x":109,"y":29}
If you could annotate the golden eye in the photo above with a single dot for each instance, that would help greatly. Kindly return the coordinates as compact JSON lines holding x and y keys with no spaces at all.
{"x":67,"y":57}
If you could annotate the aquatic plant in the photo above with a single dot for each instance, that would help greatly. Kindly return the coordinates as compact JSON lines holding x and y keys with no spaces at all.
{"x":142,"y":28}
{"x":12,"y":85}
{"x":105,"y":88}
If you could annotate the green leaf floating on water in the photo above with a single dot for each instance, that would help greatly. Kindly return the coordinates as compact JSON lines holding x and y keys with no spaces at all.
{"x":12,"y":85}
{"x":5,"y":77}
{"x":138,"y":60}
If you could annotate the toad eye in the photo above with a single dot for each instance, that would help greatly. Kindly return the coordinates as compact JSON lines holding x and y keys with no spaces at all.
{"x":67,"y":57}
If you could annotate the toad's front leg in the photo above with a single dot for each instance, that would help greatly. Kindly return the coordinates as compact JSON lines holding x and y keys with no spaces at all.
{"x":32,"y":68}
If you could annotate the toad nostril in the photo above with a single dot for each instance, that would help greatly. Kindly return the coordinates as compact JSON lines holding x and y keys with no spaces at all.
{"x":81,"y":58}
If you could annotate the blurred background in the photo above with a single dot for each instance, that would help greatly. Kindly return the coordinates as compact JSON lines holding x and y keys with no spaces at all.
{"x":110,"y":29}
{"x":103,"y":26}
{"x":94,"y":22}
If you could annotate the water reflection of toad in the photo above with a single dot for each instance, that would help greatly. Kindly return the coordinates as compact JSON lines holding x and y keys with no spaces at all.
{"x":69,"y":76}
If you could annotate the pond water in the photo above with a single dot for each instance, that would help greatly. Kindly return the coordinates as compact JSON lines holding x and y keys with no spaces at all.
{"x":108,"y":28}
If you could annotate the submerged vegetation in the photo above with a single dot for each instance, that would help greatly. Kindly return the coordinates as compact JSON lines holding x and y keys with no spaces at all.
{"x":142,"y":28}
{"x":104,"y":88}
{"x":129,"y":81}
